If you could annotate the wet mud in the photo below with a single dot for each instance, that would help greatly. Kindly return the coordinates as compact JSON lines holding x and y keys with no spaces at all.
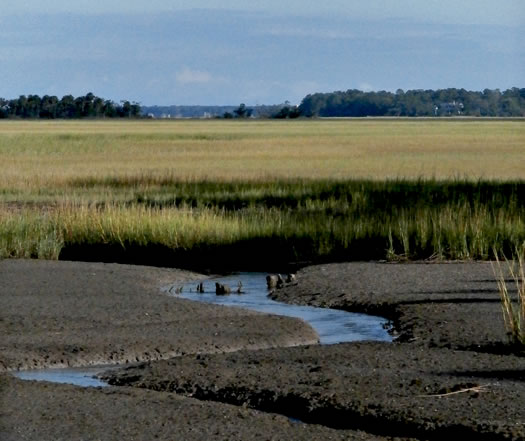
{"x":60,"y":314}
{"x":451,"y":371}
{"x":379,"y":388}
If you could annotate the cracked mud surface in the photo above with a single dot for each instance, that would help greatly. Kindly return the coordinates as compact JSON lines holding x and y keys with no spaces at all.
{"x":451,"y":374}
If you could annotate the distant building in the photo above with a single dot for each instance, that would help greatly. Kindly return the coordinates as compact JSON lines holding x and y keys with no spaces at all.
{"x":452,"y":108}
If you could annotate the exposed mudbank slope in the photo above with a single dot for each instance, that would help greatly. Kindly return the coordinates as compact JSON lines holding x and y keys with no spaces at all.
{"x":451,"y":374}
{"x":453,"y":305}
{"x":424,"y":387}
{"x":55,"y":313}
{"x":58,"y":412}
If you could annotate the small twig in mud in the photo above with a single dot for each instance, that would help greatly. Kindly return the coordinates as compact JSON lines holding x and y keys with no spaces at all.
{"x":479,"y":389}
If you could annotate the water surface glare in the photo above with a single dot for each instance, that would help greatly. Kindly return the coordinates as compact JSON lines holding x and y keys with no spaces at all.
{"x":332,"y":325}
{"x":82,"y":376}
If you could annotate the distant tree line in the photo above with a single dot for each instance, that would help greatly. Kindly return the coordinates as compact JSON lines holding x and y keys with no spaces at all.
{"x":444,"y":102}
{"x":352,"y":103}
{"x":240,"y":112}
{"x":50,"y":107}
{"x":258,"y":111}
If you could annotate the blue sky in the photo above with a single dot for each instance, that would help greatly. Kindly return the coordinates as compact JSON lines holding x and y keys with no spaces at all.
{"x":205,"y":52}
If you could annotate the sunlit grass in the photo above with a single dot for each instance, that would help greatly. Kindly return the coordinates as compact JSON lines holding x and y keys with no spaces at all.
{"x":288,"y":191}
{"x":286,"y":220}
{"x":50,"y":154}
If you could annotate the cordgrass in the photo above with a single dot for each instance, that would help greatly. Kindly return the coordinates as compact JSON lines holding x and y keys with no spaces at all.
{"x":286,"y":221}
{"x":217,"y":194}
{"x":48,"y":155}
{"x":512,"y":304}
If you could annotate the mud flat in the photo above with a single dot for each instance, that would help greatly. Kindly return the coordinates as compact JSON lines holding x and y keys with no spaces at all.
{"x":450,"y":374}
{"x":385,"y":390}
{"x":56,"y":412}
{"x":57,"y":314}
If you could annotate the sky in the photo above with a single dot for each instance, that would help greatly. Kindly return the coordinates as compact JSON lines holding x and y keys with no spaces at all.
{"x":226,"y":52}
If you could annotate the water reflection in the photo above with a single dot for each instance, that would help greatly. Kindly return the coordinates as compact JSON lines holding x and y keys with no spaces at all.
{"x":332,"y":325}
{"x":84,"y":376}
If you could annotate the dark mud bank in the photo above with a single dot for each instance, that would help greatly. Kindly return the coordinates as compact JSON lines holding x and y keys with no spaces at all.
{"x":427,"y":387}
{"x":379,"y":388}
{"x":63,"y":314}
{"x":206,"y":259}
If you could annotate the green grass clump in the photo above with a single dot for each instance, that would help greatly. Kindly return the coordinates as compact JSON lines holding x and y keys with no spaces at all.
{"x":29,"y":235}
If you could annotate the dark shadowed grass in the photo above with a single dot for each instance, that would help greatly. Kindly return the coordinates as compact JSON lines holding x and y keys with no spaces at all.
{"x":247,"y":225}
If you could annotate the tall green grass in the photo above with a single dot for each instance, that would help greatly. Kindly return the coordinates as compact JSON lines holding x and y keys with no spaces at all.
{"x":236,"y":225}
{"x":29,"y":234}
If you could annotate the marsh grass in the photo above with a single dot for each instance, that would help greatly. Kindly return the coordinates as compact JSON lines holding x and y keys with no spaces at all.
{"x":245,"y":194}
{"x":29,"y":234}
{"x":47,"y":156}
{"x":513,"y":304}
{"x":248,"y":224}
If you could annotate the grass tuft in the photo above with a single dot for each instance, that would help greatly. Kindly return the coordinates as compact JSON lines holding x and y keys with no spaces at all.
{"x":513,"y":304}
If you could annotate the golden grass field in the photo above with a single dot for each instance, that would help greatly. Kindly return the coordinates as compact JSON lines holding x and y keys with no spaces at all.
{"x":308,"y":189}
{"x":36,"y":154}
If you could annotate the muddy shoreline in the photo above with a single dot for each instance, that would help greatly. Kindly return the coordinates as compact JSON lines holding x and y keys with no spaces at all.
{"x":453,"y":304}
{"x":58,"y":314}
{"x":451,"y":373}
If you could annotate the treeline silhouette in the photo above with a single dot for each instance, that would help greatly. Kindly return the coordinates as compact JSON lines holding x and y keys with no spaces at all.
{"x":350,"y":103}
{"x":444,"y":102}
{"x":50,"y":107}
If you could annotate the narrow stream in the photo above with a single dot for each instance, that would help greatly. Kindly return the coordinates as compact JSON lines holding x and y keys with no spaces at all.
{"x":332,"y":325}
{"x":81,"y":376}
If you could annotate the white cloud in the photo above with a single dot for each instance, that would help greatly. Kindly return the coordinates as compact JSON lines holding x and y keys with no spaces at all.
{"x":190,"y":76}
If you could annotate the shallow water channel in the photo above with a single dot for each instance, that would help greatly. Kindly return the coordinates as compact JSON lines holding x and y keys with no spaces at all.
{"x":332,"y":325}
{"x":81,"y":376}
